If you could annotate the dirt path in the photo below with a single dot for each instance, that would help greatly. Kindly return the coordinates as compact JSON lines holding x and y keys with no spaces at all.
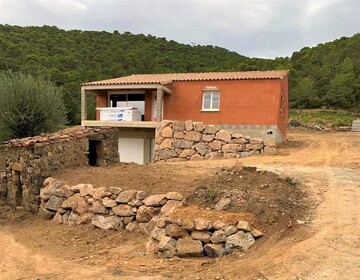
{"x":326,"y":248}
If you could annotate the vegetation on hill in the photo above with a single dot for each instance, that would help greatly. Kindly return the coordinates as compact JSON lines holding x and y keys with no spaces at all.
{"x":327,"y":75}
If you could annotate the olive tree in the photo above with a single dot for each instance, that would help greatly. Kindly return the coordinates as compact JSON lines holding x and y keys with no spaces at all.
{"x":29,"y":106}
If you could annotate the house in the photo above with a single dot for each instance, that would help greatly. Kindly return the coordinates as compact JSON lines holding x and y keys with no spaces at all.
{"x":253,"y":103}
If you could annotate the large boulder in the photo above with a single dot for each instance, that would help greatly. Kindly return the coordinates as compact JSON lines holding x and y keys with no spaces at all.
{"x":240,"y":241}
{"x":223,"y":135}
{"x":123,"y":210}
{"x":54,"y":203}
{"x":146,"y":213}
{"x":174,"y":231}
{"x":203,"y":236}
{"x":188,"y":247}
{"x":155,"y":200}
{"x":214,"y":250}
{"x":112,"y":222}
{"x":126,"y":196}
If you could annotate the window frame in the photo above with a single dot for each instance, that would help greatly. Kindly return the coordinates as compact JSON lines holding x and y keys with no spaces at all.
{"x":211,"y":109}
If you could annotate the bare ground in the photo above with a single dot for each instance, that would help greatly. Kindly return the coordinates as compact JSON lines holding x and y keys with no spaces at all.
{"x":326,"y":247}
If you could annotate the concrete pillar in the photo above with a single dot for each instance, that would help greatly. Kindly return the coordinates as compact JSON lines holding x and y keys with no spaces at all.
{"x":159,"y":101}
{"x":83,"y":105}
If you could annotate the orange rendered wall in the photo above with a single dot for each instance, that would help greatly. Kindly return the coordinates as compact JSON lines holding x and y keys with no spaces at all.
{"x":242,"y":102}
{"x":101,"y":101}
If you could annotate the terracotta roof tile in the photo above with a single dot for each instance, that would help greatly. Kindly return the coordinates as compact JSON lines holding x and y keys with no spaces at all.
{"x":169,"y":78}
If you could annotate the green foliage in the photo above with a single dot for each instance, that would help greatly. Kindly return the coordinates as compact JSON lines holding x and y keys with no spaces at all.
{"x":327,"y":75}
{"x":28,"y":106}
{"x":327,"y":118}
{"x":291,"y":182}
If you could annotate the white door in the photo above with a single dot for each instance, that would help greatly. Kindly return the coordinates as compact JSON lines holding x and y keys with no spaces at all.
{"x":131,"y":150}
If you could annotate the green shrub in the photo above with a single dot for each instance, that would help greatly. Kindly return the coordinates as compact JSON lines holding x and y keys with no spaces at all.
{"x":29,"y":106}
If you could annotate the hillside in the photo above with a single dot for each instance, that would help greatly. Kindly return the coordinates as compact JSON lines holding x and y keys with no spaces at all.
{"x":327,"y":75}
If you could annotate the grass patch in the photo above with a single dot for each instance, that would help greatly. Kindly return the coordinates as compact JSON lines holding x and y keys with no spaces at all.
{"x":327,"y":118}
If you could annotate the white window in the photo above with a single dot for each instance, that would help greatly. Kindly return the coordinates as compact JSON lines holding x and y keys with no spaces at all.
{"x":211,"y":100}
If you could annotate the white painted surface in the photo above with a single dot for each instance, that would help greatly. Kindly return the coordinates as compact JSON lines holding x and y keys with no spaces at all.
{"x":119,"y":114}
{"x":131,"y":150}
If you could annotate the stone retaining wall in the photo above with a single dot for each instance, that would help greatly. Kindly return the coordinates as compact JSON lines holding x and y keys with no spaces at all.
{"x":30,"y":160}
{"x":133,"y":210}
{"x":194,"y":140}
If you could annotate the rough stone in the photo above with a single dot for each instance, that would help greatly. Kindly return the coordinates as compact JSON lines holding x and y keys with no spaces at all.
{"x":45,"y":214}
{"x":152,"y":246}
{"x":186,"y":153}
{"x":51,"y":185}
{"x":58,"y":218}
{"x":54,"y":203}
{"x":174,"y":231}
{"x":107,"y":202}
{"x":239,"y":241}
{"x":81,"y":206}
{"x":207,"y":137}
{"x":223,"y":135}
{"x":155,"y":200}
{"x":112,"y":222}
{"x":218,"y":224}
{"x":115,"y":190}
{"x":196,"y":157}
{"x":178,"y":126}
{"x":158,"y":233}
{"x":254,"y":146}
{"x":187,"y":247}
{"x":182,"y":144}
{"x":148,"y":227}
{"x":97,"y":207}
{"x":240,"y":141}
{"x":84,"y":218}
{"x":218,"y":236}
{"x":201,"y":148}
{"x":77,"y":188}
{"x":166,"y":243}
{"x":256,"y":141}
{"x":86,"y":190}
{"x":244,"y":226}
{"x":162,"y":222}
{"x":170,"y":207}
{"x":132,"y":226}
{"x":179,"y":135}
{"x":167,"y":154}
{"x":136,"y":203}
{"x":71,"y":202}
{"x":215,"y":145}
{"x":72,"y":219}
{"x":198,"y":126}
{"x":193,"y":136}
{"x":128,"y":219}
{"x":188,"y":224}
{"x":201,"y":224}
{"x":166,"y":144}
{"x":63,"y":191}
{"x":98,"y":193}
{"x":256,"y":233}
{"x":17,"y":167}
{"x":231,"y":148}
{"x":214,"y":250}
{"x":223,"y":204}
{"x":141,"y":195}
{"x":203,"y":236}
{"x":189,"y":125}
{"x":230,"y":230}
{"x":210,"y":129}
{"x":123,"y":210}
{"x":126,"y":196}
{"x":167,"y":132}
{"x":145,"y":213}
{"x":174,"y":196}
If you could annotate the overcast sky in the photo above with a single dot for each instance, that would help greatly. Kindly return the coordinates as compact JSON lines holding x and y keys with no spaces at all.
{"x":256,"y":28}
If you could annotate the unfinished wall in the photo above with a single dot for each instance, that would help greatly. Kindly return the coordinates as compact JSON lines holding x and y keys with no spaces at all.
{"x":30,"y":160}
{"x":176,"y":140}
{"x":169,"y":236}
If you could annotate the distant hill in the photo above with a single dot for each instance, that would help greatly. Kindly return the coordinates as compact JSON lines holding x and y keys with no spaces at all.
{"x":327,"y":75}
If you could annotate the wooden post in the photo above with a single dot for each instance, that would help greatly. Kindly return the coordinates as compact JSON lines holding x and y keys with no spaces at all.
{"x":83,"y":105}
{"x":159,"y":99}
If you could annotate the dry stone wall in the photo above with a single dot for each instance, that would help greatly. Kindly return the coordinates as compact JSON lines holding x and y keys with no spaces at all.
{"x":30,"y":161}
{"x":132,"y":210}
{"x":190,"y":140}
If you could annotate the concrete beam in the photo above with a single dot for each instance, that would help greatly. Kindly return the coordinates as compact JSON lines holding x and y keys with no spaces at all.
{"x":159,"y":101}
{"x":83,"y":105}
{"x":126,"y":86}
